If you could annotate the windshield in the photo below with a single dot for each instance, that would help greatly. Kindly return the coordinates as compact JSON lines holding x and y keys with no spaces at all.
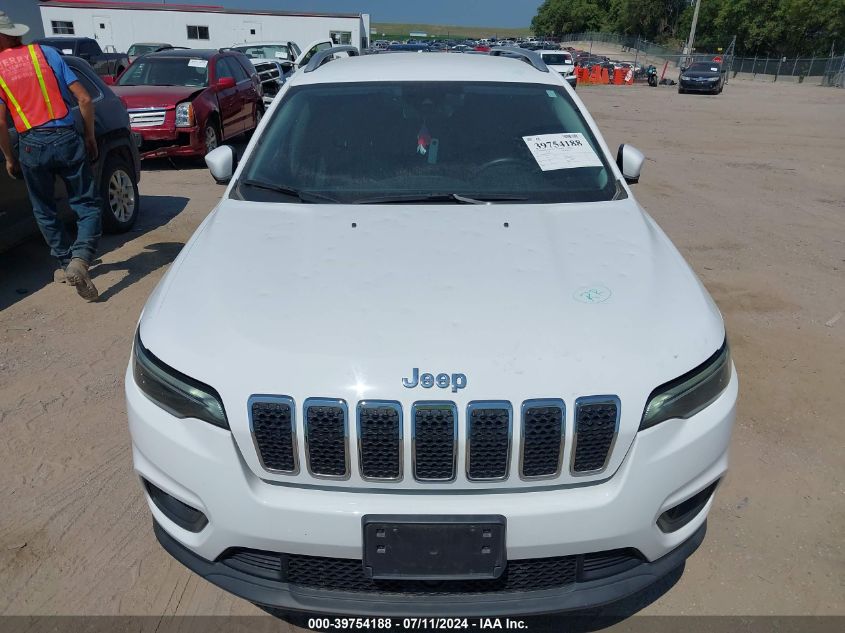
{"x":707,"y":67}
{"x":557,"y":59}
{"x":374,"y":142}
{"x":166,"y":71}
{"x":273,"y":51}
{"x":136,"y":50}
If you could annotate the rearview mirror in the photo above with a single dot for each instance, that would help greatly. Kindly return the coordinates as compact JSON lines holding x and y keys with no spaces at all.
{"x":224,"y":83}
{"x":221,"y":163}
{"x":630,"y":161}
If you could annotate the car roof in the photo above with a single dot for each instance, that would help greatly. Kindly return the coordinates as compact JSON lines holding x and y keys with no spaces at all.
{"x":274,"y":43}
{"x":187,"y":53}
{"x":426,"y":67}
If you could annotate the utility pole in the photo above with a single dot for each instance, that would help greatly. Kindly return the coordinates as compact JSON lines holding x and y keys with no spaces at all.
{"x":691,"y":40}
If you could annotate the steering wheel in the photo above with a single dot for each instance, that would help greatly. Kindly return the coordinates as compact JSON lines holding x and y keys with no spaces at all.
{"x":500,"y":162}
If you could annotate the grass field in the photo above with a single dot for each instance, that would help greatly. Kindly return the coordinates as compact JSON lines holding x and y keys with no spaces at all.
{"x":396,"y":31}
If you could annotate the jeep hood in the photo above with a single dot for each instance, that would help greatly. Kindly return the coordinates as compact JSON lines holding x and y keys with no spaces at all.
{"x":155,"y":96}
{"x":528,"y":301}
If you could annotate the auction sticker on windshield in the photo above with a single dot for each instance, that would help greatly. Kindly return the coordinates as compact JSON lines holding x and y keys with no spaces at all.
{"x":562,"y":151}
{"x":198,"y":63}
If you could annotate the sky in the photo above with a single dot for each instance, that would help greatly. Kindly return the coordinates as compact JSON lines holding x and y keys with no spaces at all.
{"x":510,"y":13}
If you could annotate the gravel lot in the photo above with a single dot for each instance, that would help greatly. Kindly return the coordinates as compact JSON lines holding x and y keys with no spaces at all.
{"x":750,"y":185}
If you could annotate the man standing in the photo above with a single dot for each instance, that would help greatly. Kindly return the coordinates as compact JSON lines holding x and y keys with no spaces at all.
{"x":35,"y":89}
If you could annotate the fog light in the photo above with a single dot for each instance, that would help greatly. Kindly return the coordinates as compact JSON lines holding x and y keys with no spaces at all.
{"x":677,"y":517}
{"x":181,"y":514}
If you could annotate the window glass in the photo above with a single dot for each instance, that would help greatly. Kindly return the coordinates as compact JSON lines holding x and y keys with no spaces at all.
{"x":314,"y":50}
{"x":229,"y":67}
{"x":197,"y":32}
{"x":425,"y":138}
{"x":61,"y":27}
{"x":341,"y":37}
{"x":166,"y":71}
{"x":270,"y":51}
{"x":88,"y":48}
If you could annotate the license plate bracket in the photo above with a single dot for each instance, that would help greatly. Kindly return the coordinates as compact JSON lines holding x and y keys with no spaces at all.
{"x":434,"y":547}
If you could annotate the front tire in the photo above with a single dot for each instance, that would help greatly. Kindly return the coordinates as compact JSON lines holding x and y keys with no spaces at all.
{"x":119,"y":194}
{"x":681,"y":91}
{"x":211,"y":136}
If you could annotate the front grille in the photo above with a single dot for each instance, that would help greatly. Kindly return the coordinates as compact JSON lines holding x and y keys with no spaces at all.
{"x":380,"y":439}
{"x":486,"y":448}
{"x":325,"y":438}
{"x":146,"y":118}
{"x":272,"y":423}
{"x":596,"y":420}
{"x":342,"y":574}
{"x":435,"y":441}
{"x":488,"y":440}
{"x":542,"y":438}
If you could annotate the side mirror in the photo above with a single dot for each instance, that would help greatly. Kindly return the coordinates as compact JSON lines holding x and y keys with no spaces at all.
{"x":221,"y":163}
{"x":684,"y":68}
{"x":630,"y":161}
{"x":225,"y":83}
{"x":109,"y":81}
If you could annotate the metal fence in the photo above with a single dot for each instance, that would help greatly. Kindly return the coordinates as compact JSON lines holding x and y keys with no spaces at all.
{"x":831,"y":70}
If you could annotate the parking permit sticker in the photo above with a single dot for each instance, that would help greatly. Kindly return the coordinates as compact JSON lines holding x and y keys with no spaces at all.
{"x":197,"y":63}
{"x":562,"y":151}
{"x":67,"y":51}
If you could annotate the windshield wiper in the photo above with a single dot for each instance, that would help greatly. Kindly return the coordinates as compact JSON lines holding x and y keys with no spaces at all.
{"x":304,"y":196}
{"x":441,"y":197}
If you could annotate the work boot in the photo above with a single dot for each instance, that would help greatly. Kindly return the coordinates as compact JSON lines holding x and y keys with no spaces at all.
{"x":77,"y":275}
{"x":59,"y":276}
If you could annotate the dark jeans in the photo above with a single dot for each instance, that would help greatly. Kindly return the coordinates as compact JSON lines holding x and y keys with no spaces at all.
{"x":45,"y":154}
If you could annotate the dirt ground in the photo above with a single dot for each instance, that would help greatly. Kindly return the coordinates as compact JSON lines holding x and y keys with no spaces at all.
{"x":750,"y":185}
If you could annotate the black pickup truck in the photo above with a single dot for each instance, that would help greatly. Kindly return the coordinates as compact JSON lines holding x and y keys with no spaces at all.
{"x":117,"y":171}
{"x":105,"y":64}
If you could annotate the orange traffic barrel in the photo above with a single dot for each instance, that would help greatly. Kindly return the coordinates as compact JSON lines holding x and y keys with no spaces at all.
{"x":618,"y":76}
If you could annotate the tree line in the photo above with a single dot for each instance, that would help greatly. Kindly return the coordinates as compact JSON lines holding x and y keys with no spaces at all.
{"x":762,"y":27}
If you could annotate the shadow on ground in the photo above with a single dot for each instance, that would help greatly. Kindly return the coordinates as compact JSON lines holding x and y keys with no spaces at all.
{"x":581,"y":621}
{"x":28,"y":267}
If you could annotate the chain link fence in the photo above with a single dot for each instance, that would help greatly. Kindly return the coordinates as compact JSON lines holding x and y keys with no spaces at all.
{"x":830,"y":70}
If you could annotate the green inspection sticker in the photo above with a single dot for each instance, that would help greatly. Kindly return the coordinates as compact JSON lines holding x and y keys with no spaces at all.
{"x":552,"y":94}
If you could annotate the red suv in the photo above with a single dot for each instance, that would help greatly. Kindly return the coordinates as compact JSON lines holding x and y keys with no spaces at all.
{"x":185,"y":102}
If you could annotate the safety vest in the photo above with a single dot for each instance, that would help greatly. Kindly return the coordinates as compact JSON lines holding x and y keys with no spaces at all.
{"x":29,"y":87}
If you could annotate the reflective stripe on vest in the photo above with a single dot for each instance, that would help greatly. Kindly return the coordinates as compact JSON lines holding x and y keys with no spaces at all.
{"x":37,"y":67}
{"x":30,"y":87}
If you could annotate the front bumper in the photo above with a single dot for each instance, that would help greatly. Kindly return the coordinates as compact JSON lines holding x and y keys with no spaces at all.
{"x":168,"y":140}
{"x":201,"y":465}
{"x":579,"y":595}
{"x":699,"y":86}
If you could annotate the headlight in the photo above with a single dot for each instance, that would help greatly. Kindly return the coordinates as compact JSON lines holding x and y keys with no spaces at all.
{"x":684,"y":78}
{"x":685,"y":396}
{"x":175,"y":392}
{"x":185,"y":115}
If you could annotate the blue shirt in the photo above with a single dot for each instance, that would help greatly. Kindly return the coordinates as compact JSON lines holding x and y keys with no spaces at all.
{"x":64,"y":76}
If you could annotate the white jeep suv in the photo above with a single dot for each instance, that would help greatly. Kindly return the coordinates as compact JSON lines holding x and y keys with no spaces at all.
{"x":428,"y":356}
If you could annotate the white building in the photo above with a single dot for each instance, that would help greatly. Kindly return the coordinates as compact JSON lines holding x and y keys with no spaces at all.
{"x":120,"y":24}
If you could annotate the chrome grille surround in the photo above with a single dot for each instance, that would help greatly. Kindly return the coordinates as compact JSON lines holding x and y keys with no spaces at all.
{"x":365,"y":405}
{"x":434,"y":405}
{"x":541,"y":403}
{"x":310,"y":444}
{"x":274,"y":400}
{"x":487,"y":405}
{"x":146,"y":117}
{"x":588,"y":401}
